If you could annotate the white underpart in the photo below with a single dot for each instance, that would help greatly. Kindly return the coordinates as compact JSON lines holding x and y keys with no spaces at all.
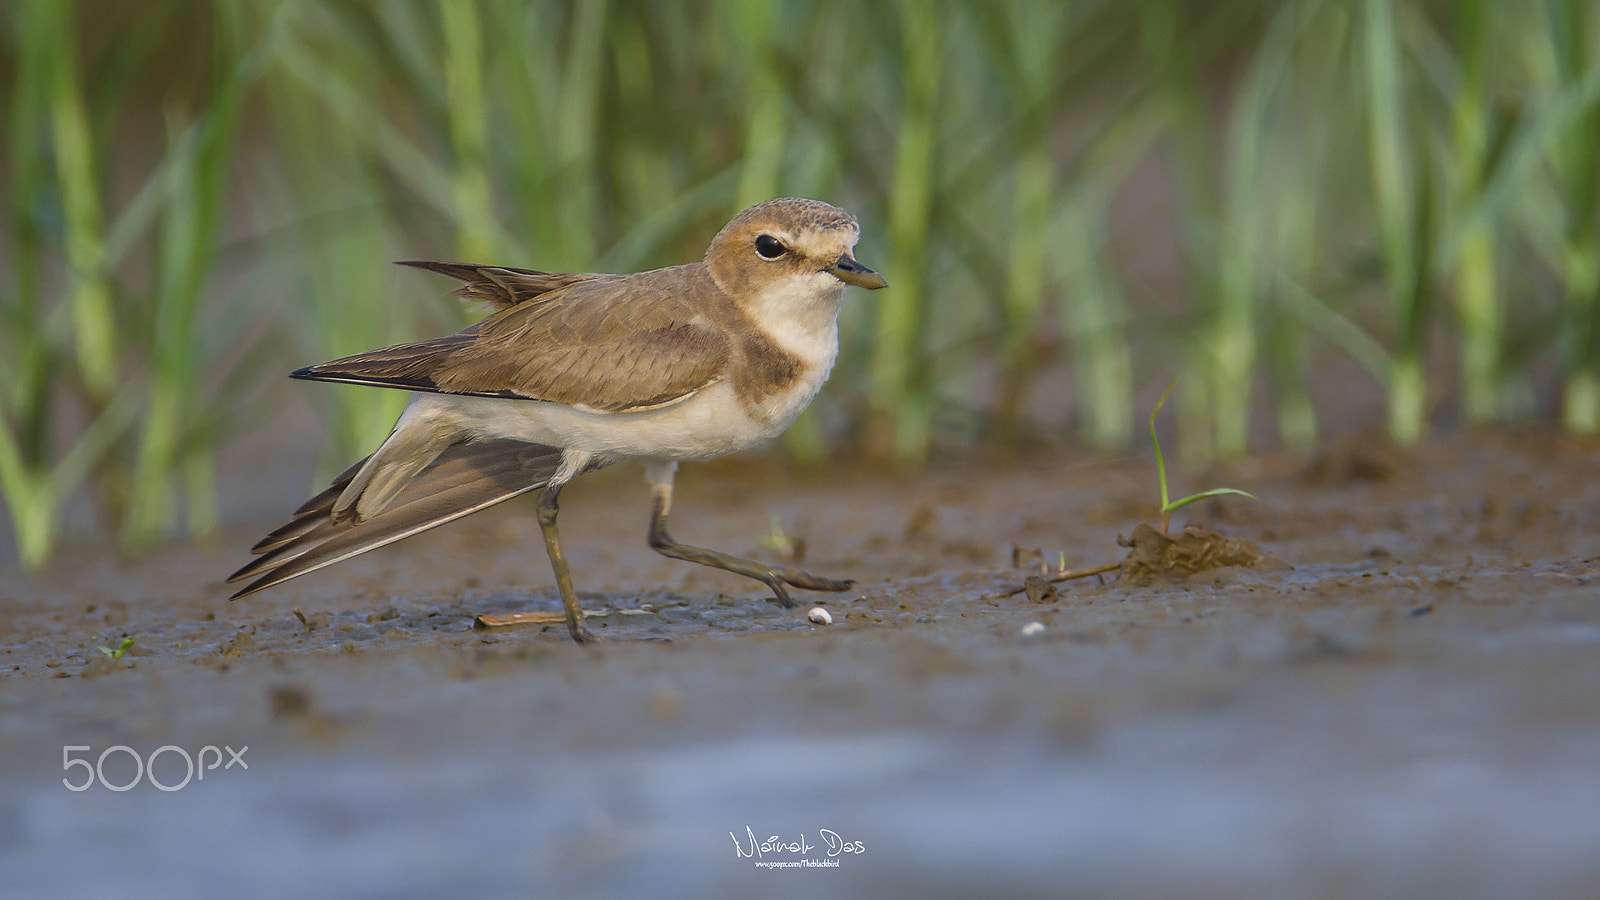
{"x":799,"y":313}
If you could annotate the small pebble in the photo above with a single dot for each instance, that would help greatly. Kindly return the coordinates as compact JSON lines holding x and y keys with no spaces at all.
{"x":819,"y":616}
{"x":1032,"y":628}
{"x":1039,"y":590}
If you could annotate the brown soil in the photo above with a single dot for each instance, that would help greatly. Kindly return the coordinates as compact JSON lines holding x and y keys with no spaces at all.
{"x":1409,"y":707}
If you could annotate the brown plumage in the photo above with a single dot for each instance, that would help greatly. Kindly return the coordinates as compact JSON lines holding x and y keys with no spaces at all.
{"x":499,"y":286}
{"x":466,"y":477}
{"x":604,"y":342}
{"x":574,"y":371}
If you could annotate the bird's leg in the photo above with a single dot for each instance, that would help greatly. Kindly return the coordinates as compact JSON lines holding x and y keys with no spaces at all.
{"x":548,"y":507}
{"x":773,"y":576}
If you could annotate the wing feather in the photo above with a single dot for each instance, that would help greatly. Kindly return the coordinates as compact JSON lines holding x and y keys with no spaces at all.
{"x":466,"y":477}
{"x":499,"y":286}
{"x":607,"y":343}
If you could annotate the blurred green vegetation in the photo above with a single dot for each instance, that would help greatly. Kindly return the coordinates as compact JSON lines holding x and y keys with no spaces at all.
{"x":201,"y":195}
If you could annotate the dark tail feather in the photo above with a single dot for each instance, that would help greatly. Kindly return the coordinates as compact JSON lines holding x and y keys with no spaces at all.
{"x":466,"y":477}
{"x":310,"y":514}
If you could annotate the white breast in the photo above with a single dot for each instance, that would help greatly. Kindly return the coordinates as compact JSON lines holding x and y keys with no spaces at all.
{"x":705,"y":425}
{"x":801,"y":314}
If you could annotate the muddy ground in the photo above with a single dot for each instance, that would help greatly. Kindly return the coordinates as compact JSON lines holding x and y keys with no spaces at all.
{"x":1409,"y":706}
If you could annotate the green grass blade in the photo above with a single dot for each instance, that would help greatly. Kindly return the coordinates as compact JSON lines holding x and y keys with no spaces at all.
{"x":1214,"y":492}
{"x":1161,"y":463}
{"x":467,"y":121}
{"x":1401,"y":195}
{"x":1093,"y":317}
{"x":94,"y":328}
{"x":900,"y":397}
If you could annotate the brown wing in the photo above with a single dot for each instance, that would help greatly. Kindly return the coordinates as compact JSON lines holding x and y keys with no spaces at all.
{"x":465,"y":478}
{"x":499,"y":286}
{"x":610,"y":343}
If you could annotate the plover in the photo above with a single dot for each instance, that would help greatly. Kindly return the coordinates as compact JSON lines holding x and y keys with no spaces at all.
{"x":574,"y":372}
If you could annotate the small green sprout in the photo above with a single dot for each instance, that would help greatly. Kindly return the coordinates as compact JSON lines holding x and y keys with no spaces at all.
{"x":124,"y":647}
{"x":788,"y":547}
{"x":776,"y":539}
{"x":1167,"y":506}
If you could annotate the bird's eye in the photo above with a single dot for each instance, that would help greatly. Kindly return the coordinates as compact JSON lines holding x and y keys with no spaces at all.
{"x":770,"y":247}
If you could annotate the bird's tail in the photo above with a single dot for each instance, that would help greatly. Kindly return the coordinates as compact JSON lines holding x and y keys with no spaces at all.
{"x":465,"y":477}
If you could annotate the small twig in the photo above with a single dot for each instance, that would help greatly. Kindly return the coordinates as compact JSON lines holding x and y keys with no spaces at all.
{"x":1070,"y":574}
{"x":487,"y":621}
{"x":1084,"y":573}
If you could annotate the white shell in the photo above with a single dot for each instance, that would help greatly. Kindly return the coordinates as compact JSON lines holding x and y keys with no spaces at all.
{"x":819,"y":616}
{"x":1032,"y":628}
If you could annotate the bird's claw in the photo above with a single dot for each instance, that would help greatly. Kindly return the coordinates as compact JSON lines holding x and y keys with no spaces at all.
{"x":801,"y":579}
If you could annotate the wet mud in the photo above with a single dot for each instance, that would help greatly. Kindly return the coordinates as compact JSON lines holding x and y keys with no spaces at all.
{"x":1401,"y":701}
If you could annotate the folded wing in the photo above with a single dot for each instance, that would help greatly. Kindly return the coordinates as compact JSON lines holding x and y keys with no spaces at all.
{"x":606,"y":343}
{"x":465,"y":478}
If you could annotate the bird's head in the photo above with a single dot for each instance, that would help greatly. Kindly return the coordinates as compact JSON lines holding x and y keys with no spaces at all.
{"x":789,"y":246}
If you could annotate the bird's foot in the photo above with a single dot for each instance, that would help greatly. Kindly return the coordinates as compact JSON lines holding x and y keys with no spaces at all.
{"x":781,"y":575}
